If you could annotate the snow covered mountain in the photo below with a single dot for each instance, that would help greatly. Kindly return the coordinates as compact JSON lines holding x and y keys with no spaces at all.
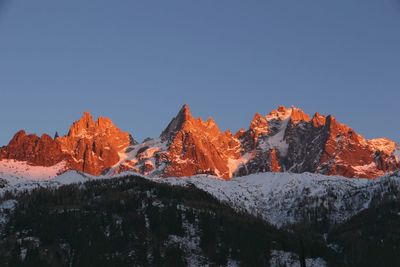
{"x":285,"y":199}
{"x":281,"y":199}
{"x":286,"y":139}
{"x":41,"y":200}
{"x":131,"y":221}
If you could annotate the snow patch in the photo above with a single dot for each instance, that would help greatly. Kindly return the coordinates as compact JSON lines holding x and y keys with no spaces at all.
{"x":234,"y":164}
{"x":14,"y":170}
{"x":278,"y":140}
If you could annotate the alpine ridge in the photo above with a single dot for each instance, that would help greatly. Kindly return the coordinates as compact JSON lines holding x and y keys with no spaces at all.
{"x":90,"y":146}
{"x":285,"y":140}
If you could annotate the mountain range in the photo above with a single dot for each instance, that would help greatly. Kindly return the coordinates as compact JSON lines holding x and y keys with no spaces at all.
{"x":285,"y":140}
{"x":274,"y":194}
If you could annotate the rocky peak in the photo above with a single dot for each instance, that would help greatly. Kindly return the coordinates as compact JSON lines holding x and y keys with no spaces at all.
{"x":282,"y":113}
{"x":196,"y":146}
{"x":40,"y":151}
{"x":318,"y":120}
{"x":342,"y":132}
{"x":177,"y":123}
{"x":79,"y":127}
{"x":349,"y":154}
{"x":258,"y":126}
{"x":258,"y":122}
{"x":18,"y":137}
{"x":284,"y":140}
{"x":94,"y":146}
{"x":86,"y":127}
{"x":298,"y":115}
{"x":295,"y":114}
{"x":287,"y":139}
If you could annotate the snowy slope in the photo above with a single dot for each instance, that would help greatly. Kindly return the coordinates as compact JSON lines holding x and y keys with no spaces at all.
{"x":15,"y":170}
{"x":137,"y":156}
{"x":19,"y":176}
{"x":279,"y":198}
{"x":283,"y":198}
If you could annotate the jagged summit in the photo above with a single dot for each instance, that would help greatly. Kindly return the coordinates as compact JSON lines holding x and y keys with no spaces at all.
{"x":94,"y":146}
{"x":90,"y":146}
{"x":196,"y":147}
{"x":258,"y":121}
{"x":85,"y":122}
{"x":177,"y":122}
{"x":318,"y":120}
{"x":39,"y":151}
{"x":286,"y":139}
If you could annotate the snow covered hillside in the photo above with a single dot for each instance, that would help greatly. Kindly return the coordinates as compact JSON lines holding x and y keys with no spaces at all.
{"x":280,"y":198}
{"x":284,"y":198}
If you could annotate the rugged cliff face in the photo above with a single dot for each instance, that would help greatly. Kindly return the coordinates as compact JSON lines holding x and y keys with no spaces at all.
{"x":186,"y":147}
{"x":38,"y":151}
{"x":94,"y":146}
{"x":90,"y":146}
{"x":196,"y":146}
{"x":286,"y":139}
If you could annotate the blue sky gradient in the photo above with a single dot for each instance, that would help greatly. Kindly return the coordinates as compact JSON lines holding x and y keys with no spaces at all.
{"x":138,"y":62}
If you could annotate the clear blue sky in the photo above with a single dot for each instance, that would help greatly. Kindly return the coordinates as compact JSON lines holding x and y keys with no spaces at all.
{"x":137,"y":62}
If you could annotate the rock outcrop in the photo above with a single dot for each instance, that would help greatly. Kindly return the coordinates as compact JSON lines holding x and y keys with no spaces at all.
{"x":91,"y":147}
{"x":196,"y":146}
{"x":94,"y":146}
{"x":38,"y":151}
{"x":296,"y":143}
{"x":187,"y":146}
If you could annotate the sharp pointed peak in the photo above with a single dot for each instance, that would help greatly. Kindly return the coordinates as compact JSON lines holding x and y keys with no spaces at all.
{"x":86,"y":116}
{"x":104,"y":121}
{"x":210,"y":121}
{"x":86,"y":119}
{"x":176,"y":123}
{"x":298,"y":115}
{"x":85,"y":122}
{"x":258,"y":121}
{"x":330,"y":117}
{"x":317,"y":114}
{"x":20,"y":132}
{"x":280,"y":113}
{"x":318,"y":120}
{"x":282,"y":108}
{"x":184,"y":112}
{"x":185,"y":106}
{"x":257,"y":116}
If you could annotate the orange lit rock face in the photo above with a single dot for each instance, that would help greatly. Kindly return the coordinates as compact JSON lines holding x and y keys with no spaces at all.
{"x":258,"y":126}
{"x":93,"y":146}
{"x":275,"y":164}
{"x":90,"y":146}
{"x":39,"y":151}
{"x":349,"y":154}
{"x":297,"y":116}
{"x":286,"y":139}
{"x":198,"y":147}
{"x":265,"y":140}
{"x":344,"y":149}
{"x":318,"y":120}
